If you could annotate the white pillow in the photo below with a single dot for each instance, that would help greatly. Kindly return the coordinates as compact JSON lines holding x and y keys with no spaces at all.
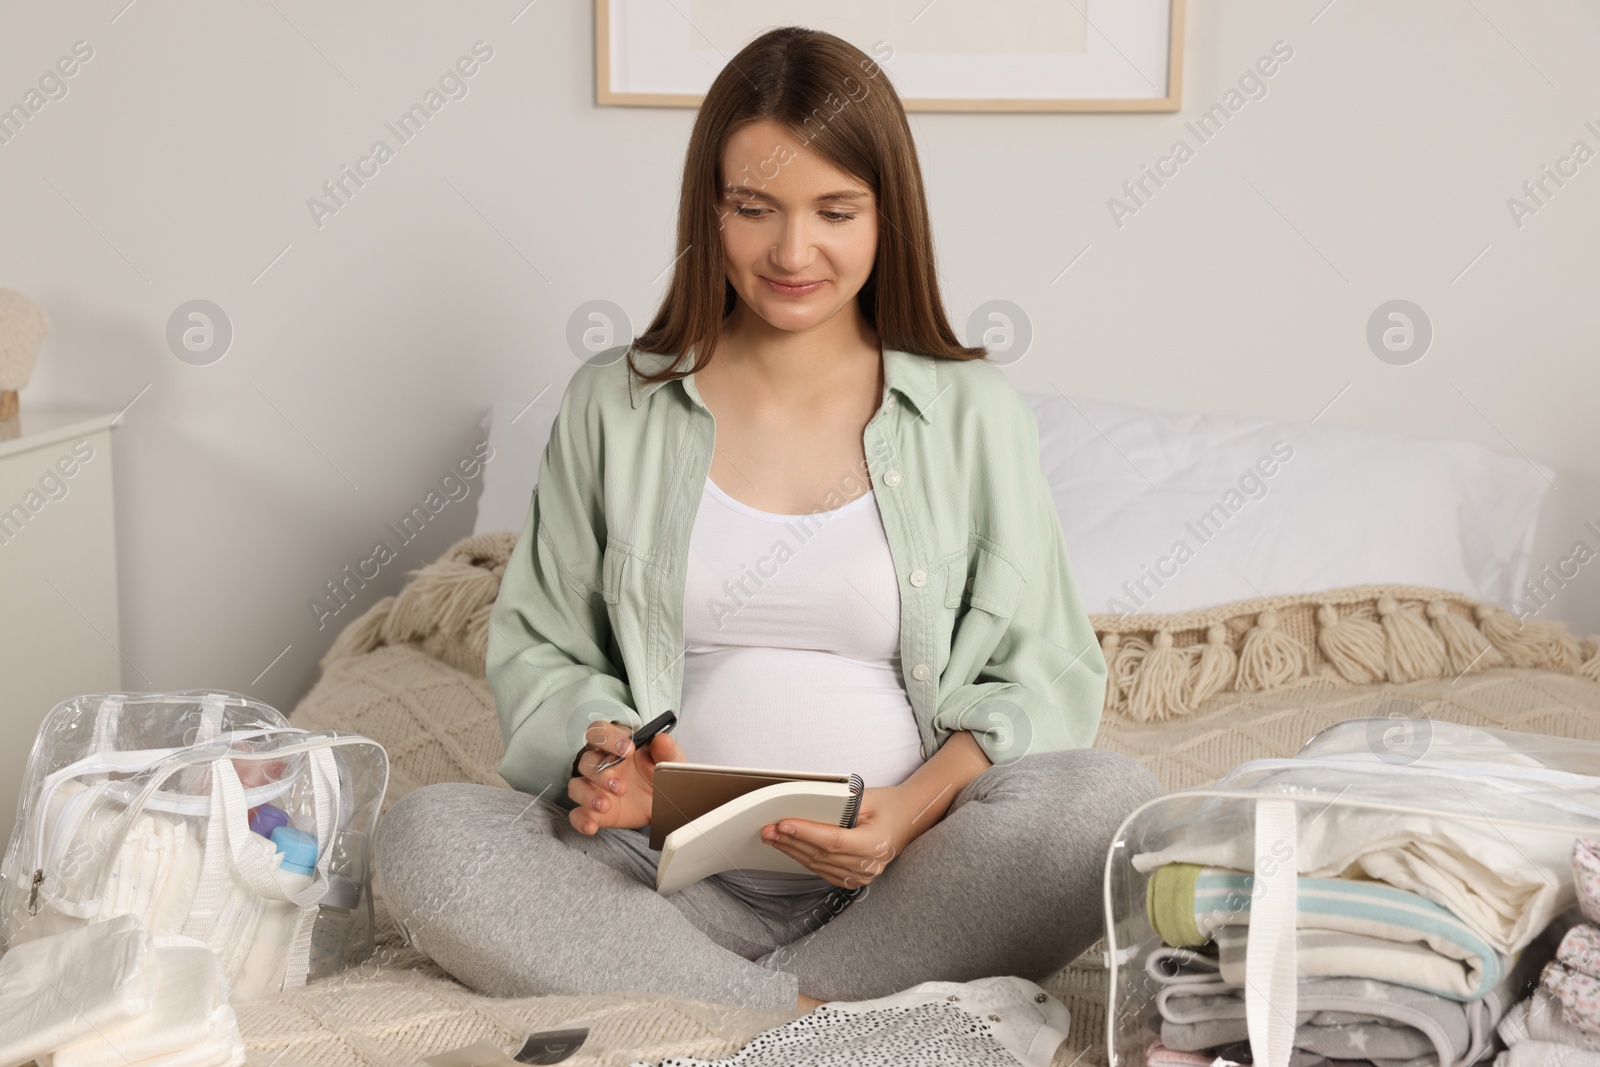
{"x":1169,"y":512}
{"x":517,"y":438}
{"x":1331,"y":507}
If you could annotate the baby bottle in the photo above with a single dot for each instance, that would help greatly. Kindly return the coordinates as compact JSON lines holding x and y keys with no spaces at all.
{"x":336,"y":921}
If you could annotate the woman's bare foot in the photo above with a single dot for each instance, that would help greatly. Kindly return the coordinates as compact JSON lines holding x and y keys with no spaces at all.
{"x":807,"y":1003}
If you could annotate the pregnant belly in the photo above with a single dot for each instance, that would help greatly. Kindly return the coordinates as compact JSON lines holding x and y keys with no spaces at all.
{"x":797,"y":710}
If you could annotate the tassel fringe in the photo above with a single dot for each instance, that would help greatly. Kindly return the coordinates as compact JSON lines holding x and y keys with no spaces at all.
{"x":1123,"y":661}
{"x":1158,"y":690}
{"x":361,"y":636}
{"x":1590,"y":668}
{"x":1215,"y":672}
{"x":1409,"y":637}
{"x":1414,"y":651}
{"x":1356,"y":647}
{"x":1529,"y":644}
{"x":1270,"y":658}
{"x":1465,"y":646}
{"x":444,"y":607}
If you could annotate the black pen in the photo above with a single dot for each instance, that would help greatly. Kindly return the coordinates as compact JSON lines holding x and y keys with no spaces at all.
{"x":643,"y":736}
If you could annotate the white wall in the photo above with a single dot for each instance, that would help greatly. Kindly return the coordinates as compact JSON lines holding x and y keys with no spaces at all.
{"x":180,"y":162}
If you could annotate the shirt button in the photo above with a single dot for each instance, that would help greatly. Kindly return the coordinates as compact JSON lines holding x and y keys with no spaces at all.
{"x":891,"y":478}
{"x":919,"y":578}
{"x":920,"y":672}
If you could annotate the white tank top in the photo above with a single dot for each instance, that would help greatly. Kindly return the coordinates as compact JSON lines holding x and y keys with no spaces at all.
{"x":791,"y":636}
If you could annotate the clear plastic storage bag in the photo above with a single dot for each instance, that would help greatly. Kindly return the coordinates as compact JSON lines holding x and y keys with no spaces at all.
{"x":203,"y":813}
{"x":1455,"y":837}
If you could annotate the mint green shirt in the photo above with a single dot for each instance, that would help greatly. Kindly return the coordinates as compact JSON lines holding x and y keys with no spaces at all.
{"x":588,"y":625}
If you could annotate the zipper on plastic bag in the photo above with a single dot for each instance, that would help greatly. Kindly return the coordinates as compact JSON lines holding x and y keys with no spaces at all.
{"x":134,"y":760}
{"x":1494,"y":775}
{"x":131,"y":760}
{"x":65,"y":828}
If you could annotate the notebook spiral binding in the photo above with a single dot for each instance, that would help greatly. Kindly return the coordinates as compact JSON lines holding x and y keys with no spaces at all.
{"x":853,"y":805}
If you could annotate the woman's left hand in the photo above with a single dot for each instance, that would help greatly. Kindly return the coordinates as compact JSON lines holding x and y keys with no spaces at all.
{"x":851,"y":858}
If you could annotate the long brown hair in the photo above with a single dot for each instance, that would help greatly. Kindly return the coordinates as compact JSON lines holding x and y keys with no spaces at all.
{"x":840,"y":103}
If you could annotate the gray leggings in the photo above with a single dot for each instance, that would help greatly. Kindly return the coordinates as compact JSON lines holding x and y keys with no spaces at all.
{"x":498,"y":888}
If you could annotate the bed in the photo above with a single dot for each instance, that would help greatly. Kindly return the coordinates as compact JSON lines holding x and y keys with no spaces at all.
{"x":409,"y":673}
{"x":1250,"y":583}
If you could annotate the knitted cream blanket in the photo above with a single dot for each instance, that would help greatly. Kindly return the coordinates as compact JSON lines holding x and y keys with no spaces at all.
{"x":1161,"y":666}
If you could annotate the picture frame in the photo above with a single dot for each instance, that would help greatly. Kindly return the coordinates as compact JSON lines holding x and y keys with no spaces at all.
{"x":1095,"y":55}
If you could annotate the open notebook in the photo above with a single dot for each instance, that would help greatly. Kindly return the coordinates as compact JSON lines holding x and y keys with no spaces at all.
{"x":706,"y":819}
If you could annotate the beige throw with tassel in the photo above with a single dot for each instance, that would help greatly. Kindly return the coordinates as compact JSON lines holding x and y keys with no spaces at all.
{"x":1162,"y":667}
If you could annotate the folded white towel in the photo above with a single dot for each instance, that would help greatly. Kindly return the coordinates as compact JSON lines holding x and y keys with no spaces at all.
{"x":1506,"y":887}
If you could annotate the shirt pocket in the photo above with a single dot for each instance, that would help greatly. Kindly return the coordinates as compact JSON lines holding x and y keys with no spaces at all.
{"x":993,"y":584}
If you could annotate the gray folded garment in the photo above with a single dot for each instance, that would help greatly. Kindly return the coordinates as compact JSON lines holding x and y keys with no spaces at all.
{"x":1384,"y":1023}
{"x":1341,"y":1018}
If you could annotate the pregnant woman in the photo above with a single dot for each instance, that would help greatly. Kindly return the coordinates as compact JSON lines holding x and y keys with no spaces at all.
{"x":800,"y":514}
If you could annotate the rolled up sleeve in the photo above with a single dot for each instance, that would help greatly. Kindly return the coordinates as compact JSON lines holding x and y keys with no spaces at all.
{"x":549,"y":660}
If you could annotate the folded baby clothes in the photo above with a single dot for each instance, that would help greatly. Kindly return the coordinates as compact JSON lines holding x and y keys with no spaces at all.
{"x":1586,"y":872}
{"x":1560,"y":1022}
{"x":1387,"y":1024}
{"x":1340,"y":1018}
{"x":1540,"y":1017}
{"x":1507,"y":891}
{"x":1579,"y":994}
{"x":1347,"y":928}
{"x":1580,"y":950}
{"x":1333,"y":954}
{"x":1002,"y":1021}
{"x":1538,"y":1029}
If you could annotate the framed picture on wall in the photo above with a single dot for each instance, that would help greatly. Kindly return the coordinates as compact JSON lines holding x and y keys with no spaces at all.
{"x":946,"y":55}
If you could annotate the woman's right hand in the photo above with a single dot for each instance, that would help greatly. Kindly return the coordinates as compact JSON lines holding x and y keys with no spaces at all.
{"x":619,"y":796}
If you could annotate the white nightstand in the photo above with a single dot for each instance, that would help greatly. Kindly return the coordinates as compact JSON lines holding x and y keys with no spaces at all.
{"x":58,"y":577}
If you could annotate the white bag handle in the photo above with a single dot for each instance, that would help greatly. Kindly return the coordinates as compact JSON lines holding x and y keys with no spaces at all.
{"x":227,"y":849}
{"x":258,"y":873}
{"x":1271,"y":969}
{"x":326,"y":788}
{"x":106,"y":717}
{"x":212,"y":708}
